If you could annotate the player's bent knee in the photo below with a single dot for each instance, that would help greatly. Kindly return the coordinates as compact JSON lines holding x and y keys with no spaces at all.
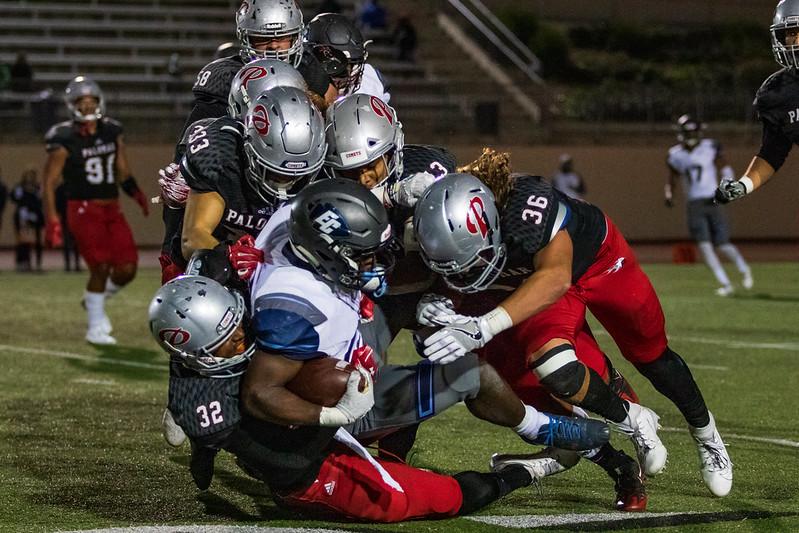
{"x":560,"y":371}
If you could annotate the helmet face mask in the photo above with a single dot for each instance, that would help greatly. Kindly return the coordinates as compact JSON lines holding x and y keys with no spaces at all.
{"x":689,"y":131}
{"x":342,"y":231}
{"x":786,"y":21}
{"x":285,"y":143}
{"x":79,"y":88}
{"x":458,"y":228}
{"x":195,"y":319}
{"x":362,"y":128}
{"x":339,"y":32}
{"x":259,"y":22}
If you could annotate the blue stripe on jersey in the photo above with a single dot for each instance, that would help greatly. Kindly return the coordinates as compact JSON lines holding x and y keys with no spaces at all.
{"x":351,"y":347}
{"x":567,"y":218}
{"x":425,"y":396}
{"x":287,"y":333}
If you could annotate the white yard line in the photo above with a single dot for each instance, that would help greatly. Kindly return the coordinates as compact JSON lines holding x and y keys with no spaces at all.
{"x":81,"y":357}
{"x":528,"y":521}
{"x":766,"y":440}
{"x":785,"y":346}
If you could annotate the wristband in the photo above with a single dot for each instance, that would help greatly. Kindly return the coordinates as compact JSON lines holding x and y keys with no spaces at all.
{"x":496,"y":321}
{"x":746,"y":181}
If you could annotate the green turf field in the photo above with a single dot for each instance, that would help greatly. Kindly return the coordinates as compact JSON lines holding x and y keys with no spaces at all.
{"x":80,"y":442}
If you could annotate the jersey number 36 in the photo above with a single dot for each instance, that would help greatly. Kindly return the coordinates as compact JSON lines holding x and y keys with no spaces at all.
{"x":539,"y":203}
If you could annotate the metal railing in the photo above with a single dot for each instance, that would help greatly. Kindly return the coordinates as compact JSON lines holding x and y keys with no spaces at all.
{"x":515,"y":50}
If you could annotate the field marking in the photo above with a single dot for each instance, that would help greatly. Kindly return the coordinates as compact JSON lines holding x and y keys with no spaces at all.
{"x":87,"y":381}
{"x":82,"y":357}
{"x":766,"y":440}
{"x":710,"y":367}
{"x":528,"y":521}
{"x":786,"y":346}
{"x":203,"y":528}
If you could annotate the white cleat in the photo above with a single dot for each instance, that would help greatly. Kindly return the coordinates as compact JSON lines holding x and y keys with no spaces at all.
{"x":747,"y":281}
{"x":643,"y":431}
{"x":105,"y":325}
{"x":714,"y":462}
{"x":97,"y":335}
{"x":173,"y":433}
{"x":726,"y":290}
{"x":547,"y":462}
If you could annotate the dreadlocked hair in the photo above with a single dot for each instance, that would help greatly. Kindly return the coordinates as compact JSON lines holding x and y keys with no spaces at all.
{"x":493,"y":169}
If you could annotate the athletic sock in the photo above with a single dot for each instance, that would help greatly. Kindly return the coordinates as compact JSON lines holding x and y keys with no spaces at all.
{"x":111,"y":288}
{"x":95,"y":307}
{"x":713,"y":263}
{"x":732,"y":253}
{"x":705,"y":433}
{"x":531,"y":423}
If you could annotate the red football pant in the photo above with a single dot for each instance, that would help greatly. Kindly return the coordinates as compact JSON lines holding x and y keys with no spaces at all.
{"x":620,"y":296}
{"x":101,"y":232}
{"x":348,"y":486}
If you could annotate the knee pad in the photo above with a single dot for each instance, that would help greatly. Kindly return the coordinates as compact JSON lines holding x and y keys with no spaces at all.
{"x":560,"y":371}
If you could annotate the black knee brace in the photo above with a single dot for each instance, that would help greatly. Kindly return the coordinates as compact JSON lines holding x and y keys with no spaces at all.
{"x":560,"y":371}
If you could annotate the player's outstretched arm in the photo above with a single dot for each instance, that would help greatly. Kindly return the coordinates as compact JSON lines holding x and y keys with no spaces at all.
{"x":758,"y":173}
{"x":203,"y":214}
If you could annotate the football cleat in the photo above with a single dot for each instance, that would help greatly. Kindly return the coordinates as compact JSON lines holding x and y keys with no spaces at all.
{"x":547,"y":462}
{"x":630,"y":488}
{"x":643,"y":431}
{"x":97,"y":335}
{"x":201,"y":465}
{"x":726,"y":290}
{"x":748,"y":282}
{"x":714,"y":462}
{"x":571,"y":433}
{"x":172,"y":432}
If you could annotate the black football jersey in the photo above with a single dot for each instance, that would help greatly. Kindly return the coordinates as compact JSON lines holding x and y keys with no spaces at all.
{"x":89,"y":171}
{"x":207,"y":409}
{"x":215,"y":162}
{"x":533,"y":213}
{"x":777,"y":102}
{"x":417,"y":158}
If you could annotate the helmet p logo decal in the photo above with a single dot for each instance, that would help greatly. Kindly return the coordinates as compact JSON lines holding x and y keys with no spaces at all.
{"x":260,"y":119}
{"x":381,"y":109}
{"x":174,"y":336}
{"x":252,"y":73}
{"x":475,"y":218}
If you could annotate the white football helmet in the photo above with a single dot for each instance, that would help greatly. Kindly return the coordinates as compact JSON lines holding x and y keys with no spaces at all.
{"x":78,"y":88}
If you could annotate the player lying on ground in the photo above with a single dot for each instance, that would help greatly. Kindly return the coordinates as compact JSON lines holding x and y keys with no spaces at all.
{"x":540,"y":259}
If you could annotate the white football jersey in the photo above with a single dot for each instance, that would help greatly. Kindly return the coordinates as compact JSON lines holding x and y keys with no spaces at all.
{"x":372,"y":84}
{"x":697,"y":167}
{"x":295,"y":313}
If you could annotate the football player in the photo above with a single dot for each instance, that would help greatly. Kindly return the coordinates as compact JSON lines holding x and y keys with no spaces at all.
{"x":540,"y":259}
{"x":339,"y":32}
{"x":777,"y":106}
{"x":700,"y":162}
{"x":268,"y":29}
{"x":88,"y":153}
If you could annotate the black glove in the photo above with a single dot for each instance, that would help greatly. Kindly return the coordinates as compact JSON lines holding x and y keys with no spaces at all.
{"x":730,"y":191}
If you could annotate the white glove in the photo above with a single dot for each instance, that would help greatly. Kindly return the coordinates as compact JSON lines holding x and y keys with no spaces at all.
{"x":406,"y":192}
{"x":353,"y":403}
{"x":174,"y":190}
{"x":465,"y":334}
{"x":434,"y":310}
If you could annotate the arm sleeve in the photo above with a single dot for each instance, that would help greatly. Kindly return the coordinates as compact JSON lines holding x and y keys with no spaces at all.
{"x":285,"y":324}
{"x":775,"y":146}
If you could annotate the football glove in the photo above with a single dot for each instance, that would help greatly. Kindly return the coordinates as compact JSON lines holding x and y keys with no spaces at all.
{"x":464,"y":334}
{"x":353,"y":404}
{"x":434,"y":310}
{"x":406,"y":192}
{"x":174,"y":190}
{"x":245,"y":257}
{"x":730,"y":191}
{"x":53,"y":233}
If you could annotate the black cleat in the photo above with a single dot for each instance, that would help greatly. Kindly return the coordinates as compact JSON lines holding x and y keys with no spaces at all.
{"x":201,"y":465}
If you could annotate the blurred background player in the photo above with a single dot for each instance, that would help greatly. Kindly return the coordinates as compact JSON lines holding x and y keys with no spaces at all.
{"x":700,"y":163}
{"x":776,"y":104}
{"x":28,"y":220}
{"x":88,"y":152}
{"x":567,"y":181}
{"x":359,"y":76}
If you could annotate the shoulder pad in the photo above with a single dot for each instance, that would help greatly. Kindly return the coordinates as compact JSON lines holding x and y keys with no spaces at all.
{"x":436,"y":160}
{"x":215,"y":78}
{"x":58,"y":135}
{"x":212,"y":155}
{"x":771,"y":92}
{"x":285,"y":324}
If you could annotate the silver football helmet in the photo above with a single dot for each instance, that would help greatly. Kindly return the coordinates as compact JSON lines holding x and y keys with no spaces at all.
{"x":786,"y":17}
{"x":257,"y":77}
{"x":457,"y":225}
{"x":360,"y":129}
{"x":191,"y":317}
{"x":343,"y":232}
{"x":270,"y":19}
{"x":76,"y":89}
{"x":284,"y":144}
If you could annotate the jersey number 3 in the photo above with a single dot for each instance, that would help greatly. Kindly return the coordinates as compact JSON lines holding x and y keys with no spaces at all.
{"x":212,"y":414}
{"x":538,"y":203}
